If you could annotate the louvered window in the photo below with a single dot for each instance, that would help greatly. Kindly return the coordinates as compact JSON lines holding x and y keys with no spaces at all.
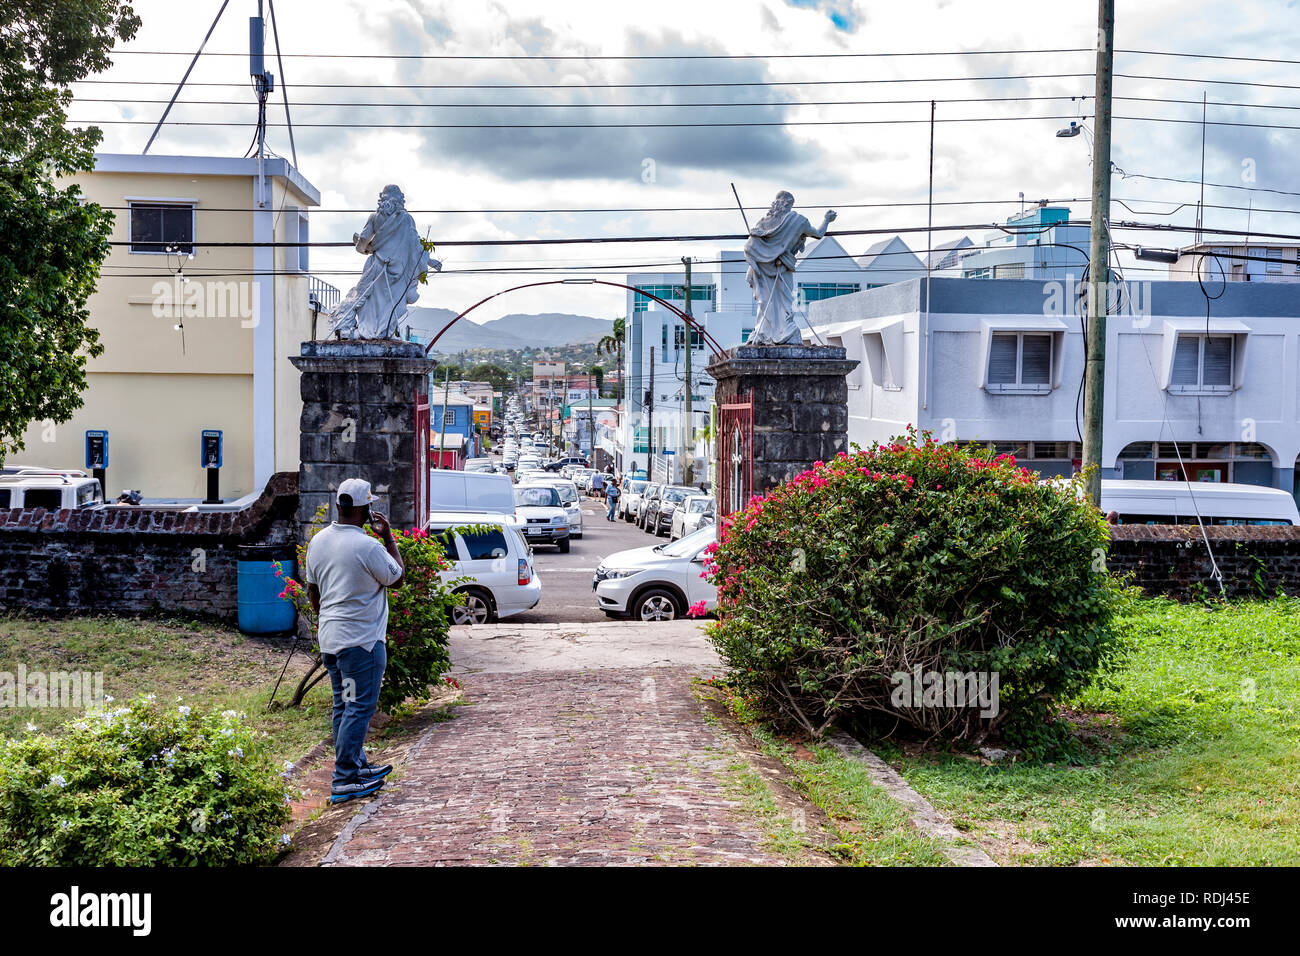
{"x":1202,"y":361}
{"x":1020,"y":360}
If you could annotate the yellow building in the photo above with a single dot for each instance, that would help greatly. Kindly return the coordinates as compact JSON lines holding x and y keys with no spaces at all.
{"x":194,"y":342}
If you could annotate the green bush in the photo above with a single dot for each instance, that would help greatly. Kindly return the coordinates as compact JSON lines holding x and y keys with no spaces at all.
{"x":143,"y":785}
{"x":419,"y":619}
{"x":914,"y":557}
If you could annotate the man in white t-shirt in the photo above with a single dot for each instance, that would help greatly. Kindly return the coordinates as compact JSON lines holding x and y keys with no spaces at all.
{"x":348,"y":574}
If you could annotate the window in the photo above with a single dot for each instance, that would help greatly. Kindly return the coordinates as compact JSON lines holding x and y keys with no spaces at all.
{"x":449,"y":417}
{"x":51,"y":499}
{"x":485,"y":545}
{"x":1020,"y":361}
{"x":304,"y":238}
{"x":986,"y":273}
{"x":155,"y":226}
{"x":673,"y":293}
{"x":1274,"y":267}
{"x":1202,"y":362}
{"x":1009,"y":270}
{"x":4,"y":497}
{"x":816,"y":291}
{"x":746,"y":333}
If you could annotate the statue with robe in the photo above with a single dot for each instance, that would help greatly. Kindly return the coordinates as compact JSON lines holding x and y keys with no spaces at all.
{"x":770,"y":253}
{"x":390,"y":279}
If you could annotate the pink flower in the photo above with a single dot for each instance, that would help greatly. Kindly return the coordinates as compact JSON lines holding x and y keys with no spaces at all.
{"x":697,"y":610}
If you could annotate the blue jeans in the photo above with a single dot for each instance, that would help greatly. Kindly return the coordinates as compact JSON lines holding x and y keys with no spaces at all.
{"x":613,"y":502}
{"x":355,"y":676}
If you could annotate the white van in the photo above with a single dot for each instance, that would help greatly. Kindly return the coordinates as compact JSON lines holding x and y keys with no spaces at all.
{"x":1173,"y":502}
{"x":48,"y":489}
{"x":470,"y":491}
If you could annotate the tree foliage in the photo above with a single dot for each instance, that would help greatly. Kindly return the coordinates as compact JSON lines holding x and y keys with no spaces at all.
{"x":52,"y":242}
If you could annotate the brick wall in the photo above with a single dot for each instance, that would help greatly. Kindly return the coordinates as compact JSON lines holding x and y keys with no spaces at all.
{"x":1172,"y":559}
{"x":131,"y":560}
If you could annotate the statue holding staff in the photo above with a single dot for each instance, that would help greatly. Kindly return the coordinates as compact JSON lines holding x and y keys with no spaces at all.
{"x":770,"y":252}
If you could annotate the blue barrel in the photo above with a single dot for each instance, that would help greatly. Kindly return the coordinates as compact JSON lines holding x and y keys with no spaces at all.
{"x":261,"y":609}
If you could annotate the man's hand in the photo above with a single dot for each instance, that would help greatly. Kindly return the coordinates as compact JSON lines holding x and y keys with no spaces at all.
{"x":830,"y":215}
{"x":379,"y":524}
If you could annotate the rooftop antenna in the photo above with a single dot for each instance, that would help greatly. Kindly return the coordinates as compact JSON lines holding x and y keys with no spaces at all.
{"x":263,"y":84}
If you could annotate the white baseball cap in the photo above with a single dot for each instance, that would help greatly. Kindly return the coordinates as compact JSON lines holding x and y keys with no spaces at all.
{"x":356,"y":491}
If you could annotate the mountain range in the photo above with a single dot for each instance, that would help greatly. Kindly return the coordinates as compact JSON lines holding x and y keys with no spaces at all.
{"x":514,"y":331}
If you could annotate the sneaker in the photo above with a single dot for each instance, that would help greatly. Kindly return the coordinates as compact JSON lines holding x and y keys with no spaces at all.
{"x":372,"y":772}
{"x":341,"y":793}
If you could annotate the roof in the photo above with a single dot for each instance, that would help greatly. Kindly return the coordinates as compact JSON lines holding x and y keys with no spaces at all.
{"x":205,"y":166}
{"x":945,"y":249}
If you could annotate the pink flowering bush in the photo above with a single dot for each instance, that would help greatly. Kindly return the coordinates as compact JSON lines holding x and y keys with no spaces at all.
{"x":914,"y":558}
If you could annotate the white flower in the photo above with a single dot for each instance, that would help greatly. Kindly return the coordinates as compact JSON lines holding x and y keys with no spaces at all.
{"x":150,"y":697}
{"x":229,"y":714}
{"x":30,"y":726}
{"x":108,"y":698}
{"x":185,"y":711}
{"x":58,"y":780}
{"x":64,"y":824}
{"x":285,"y":839}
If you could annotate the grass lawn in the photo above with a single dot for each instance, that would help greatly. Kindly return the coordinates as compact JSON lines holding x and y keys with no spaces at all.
{"x":1191,"y":754}
{"x":207,"y":666}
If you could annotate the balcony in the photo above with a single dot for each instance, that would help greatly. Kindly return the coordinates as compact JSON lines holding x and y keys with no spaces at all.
{"x":321,"y":296}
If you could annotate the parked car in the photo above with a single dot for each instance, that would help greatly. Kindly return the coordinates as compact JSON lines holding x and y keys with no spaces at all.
{"x":545,"y":520}
{"x":569,"y":498}
{"x":559,"y":463}
{"x":649,"y":504}
{"x":582,"y":478}
{"x":478,"y":464}
{"x":49,"y":489}
{"x":659,"y":512}
{"x":496,"y":560}
{"x":689,"y":515}
{"x":629,"y":501}
{"x":659,"y":583}
{"x":651,"y":489}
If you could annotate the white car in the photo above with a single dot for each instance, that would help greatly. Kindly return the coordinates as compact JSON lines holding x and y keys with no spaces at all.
{"x":629,"y":501}
{"x":543,"y":519}
{"x":656,"y":584}
{"x":495,"y":557}
{"x":688,"y":516}
{"x":569,"y":498}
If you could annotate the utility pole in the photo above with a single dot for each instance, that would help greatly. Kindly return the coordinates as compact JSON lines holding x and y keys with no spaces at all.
{"x":650,"y":430}
{"x":442,"y":432}
{"x":688,"y":440}
{"x":1094,"y":402}
{"x":591,"y":424}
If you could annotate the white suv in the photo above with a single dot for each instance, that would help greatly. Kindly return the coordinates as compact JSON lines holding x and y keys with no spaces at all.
{"x":569,"y":498}
{"x":543,"y":519}
{"x":657,"y":584}
{"x":49,"y":489}
{"x":496,"y":560}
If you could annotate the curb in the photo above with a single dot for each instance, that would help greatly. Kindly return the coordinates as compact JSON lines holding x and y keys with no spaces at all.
{"x":925,"y":817}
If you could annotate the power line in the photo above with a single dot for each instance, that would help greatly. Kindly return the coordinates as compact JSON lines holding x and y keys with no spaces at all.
{"x":705,"y":125}
{"x":721,"y":56}
{"x":617,"y":86}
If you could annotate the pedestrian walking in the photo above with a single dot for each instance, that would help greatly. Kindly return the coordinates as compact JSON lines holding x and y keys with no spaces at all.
{"x":348,"y":574}
{"x":611,"y":497}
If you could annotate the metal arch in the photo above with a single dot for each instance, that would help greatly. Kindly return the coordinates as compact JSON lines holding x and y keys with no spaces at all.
{"x":709,"y":340}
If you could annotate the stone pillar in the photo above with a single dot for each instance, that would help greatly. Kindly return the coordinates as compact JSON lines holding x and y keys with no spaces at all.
{"x":801,"y":412}
{"x":358,"y":421}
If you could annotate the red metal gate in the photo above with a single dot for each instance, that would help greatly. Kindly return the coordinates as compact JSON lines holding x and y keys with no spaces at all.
{"x":421,"y":443}
{"x":735,"y":454}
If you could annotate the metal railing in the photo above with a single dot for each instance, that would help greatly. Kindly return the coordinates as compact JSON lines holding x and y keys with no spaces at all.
{"x":321,"y":295}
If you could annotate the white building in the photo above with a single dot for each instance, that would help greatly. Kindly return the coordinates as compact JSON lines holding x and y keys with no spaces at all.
{"x":1036,"y":244}
{"x":1002,"y":362}
{"x":1241,"y":262}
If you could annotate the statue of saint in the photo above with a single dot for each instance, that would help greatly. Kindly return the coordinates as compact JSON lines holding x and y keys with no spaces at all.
{"x":770,"y":252}
{"x":390,"y":279}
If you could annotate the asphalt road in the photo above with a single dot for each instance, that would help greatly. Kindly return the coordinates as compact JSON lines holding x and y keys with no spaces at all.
{"x":567,"y":596}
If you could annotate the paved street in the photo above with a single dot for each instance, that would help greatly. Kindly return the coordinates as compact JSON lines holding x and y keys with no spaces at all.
{"x":566,"y":578}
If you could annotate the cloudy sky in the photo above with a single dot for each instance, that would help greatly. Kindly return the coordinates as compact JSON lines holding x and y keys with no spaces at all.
{"x":828,"y":139}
